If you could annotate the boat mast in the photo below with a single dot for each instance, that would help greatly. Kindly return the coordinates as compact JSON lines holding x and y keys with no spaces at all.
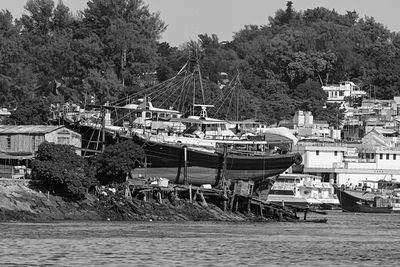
{"x":237,"y":82}
{"x":201,"y":82}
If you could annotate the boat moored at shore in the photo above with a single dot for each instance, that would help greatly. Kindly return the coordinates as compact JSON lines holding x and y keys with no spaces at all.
{"x":303,"y":190}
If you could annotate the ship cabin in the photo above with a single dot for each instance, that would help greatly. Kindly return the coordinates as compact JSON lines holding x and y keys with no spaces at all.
{"x":246,"y":146}
{"x":145,"y":115}
{"x":206,"y":128}
{"x":254,"y":126}
{"x":302,"y":185}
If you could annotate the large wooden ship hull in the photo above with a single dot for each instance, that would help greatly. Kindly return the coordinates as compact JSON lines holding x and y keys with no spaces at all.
{"x":207,"y":166}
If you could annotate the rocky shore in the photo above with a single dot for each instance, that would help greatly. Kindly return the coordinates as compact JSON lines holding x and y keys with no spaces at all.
{"x":20,"y":202}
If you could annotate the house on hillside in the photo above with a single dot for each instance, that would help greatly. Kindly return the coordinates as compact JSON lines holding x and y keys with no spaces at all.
{"x":18,"y":143}
{"x":4,"y":114}
{"x":338,"y":93}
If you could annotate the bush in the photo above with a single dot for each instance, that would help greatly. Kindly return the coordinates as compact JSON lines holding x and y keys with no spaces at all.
{"x":62,"y":171}
{"x":117,"y":161}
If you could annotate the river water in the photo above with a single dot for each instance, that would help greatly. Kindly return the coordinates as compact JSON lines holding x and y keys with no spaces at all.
{"x":347,"y":239}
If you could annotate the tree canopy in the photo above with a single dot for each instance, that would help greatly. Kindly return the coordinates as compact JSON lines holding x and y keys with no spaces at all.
{"x":117,"y":161}
{"x":62,"y":171}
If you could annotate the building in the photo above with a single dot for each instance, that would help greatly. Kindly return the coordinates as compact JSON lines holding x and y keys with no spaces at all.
{"x":18,"y":143}
{"x":4,"y":114}
{"x":338,"y":93}
{"x":380,"y":115}
{"x":377,"y":158}
{"x":304,"y":126}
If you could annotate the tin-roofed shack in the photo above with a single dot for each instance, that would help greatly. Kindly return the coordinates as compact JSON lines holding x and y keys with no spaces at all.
{"x":18,"y":144}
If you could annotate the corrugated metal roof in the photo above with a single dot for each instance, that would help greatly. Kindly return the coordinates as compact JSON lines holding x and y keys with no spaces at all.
{"x":28,"y":129}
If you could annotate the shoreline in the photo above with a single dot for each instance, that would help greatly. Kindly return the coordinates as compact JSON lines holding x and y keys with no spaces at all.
{"x":20,"y":202}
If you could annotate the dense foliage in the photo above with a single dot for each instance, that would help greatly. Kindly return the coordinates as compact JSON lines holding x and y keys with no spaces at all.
{"x":62,"y":171}
{"x":117,"y":161}
{"x":108,"y":51}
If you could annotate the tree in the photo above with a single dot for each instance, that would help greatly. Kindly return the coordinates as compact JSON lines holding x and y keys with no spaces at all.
{"x":62,"y":18}
{"x":129,"y":33}
{"x":332,"y":113}
{"x":309,"y":96}
{"x":117,"y":161}
{"x":38,"y":19}
{"x":62,"y":171}
{"x":30,"y":112}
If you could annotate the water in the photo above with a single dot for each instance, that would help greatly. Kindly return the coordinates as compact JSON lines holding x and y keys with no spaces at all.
{"x":347,"y":239}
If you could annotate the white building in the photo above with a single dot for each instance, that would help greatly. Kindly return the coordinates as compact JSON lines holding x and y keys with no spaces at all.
{"x":337,"y":93}
{"x":304,"y":126}
{"x":351,"y":163}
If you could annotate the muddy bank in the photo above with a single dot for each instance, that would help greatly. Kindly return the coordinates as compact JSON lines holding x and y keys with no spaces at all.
{"x":19,"y":202}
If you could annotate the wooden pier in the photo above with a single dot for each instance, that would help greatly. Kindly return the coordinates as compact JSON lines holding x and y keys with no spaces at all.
{"x":236,"y":199}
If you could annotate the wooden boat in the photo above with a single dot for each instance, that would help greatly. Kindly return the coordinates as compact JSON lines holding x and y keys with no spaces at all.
{"x":368,"y":207}
{"x":363,"y":201}
{"x":206,"y":166}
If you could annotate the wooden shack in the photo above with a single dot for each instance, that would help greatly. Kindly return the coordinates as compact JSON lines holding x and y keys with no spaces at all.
{"x":18,"y":143}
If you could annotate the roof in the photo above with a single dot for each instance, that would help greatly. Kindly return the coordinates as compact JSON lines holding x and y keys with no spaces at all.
{"x":28,"y":129}
{"x":198,"y":121}
{"x":272,"y":138}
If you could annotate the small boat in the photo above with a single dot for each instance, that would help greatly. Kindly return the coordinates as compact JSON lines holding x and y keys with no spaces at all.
{"x":363,"y":201}
{"x":371,"y":207}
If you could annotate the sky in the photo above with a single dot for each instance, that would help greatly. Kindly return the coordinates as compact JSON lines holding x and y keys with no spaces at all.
{"x":188,"y":18}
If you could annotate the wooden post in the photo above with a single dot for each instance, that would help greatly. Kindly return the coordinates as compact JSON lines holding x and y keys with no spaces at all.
{"x":145,"y":167}
{"x":224,"y":162}
{"x":185,"y":165}
{"x":103,"y":126}
{"x":127,"y":191}
{"x":233,"y":196}
{"x":159,"y":197}
{"x":195,"y":195}
{"x":225,"y":196}
{"x":190,"y":194}
{"x":223,"y":183}
{"x":203,"y":200}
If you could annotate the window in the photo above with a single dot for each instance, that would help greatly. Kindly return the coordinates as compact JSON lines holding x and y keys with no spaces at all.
{"x":387,"y":156}
{"x":335,"y":153}
{"x":372,"y":155}
{"x":317,"y":152}
{"x":8,"y":141}
{"x":138,"y":114}
{"x":148,"y":114}
{"x":394,"y":156}
{"x":33,"y":143}
{"x":381,"y":156}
